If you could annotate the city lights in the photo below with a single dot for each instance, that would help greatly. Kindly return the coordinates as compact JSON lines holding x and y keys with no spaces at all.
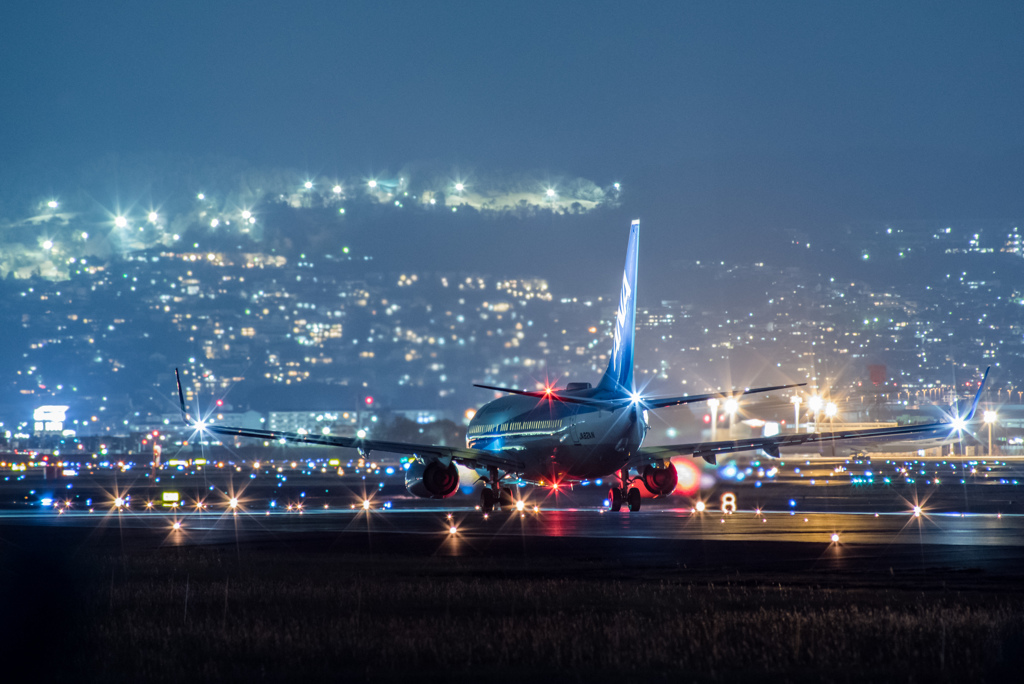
{"x":241,"y":432}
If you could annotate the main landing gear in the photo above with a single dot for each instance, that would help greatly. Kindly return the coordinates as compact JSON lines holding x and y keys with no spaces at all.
{"x":494,"y":494}
{"x":625,"y":494}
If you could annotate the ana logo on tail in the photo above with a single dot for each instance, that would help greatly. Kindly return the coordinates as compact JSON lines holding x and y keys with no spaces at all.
{"x":620,"y":322}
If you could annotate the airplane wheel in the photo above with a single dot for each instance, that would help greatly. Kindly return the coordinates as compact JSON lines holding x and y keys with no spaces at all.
{"x":505,"y":499}
{"x":487,"y":500}
{"x":615,"y":497}
{"x":633,"y":498}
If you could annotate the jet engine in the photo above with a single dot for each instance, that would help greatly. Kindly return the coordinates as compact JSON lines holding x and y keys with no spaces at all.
{"x":660,"y":481}
{"x":432,"y":480}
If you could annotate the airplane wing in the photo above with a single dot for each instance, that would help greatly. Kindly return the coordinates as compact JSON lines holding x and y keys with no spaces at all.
{"x":468,"y":457}
{"x":645,"y":402}
{"x":663,"y":402}
{"x":710,"y":451}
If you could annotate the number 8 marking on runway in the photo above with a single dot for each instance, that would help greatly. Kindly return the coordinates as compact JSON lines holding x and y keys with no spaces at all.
{"x":728,"y":503}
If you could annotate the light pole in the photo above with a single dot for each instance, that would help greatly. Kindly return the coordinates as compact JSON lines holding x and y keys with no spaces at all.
{"x":990,"y":418}
{"x":731,"y":407}
{"x":814,"y":403}
{"x":830,"y":412}
{"x":713,"y":403}
{"x":796,"y":400}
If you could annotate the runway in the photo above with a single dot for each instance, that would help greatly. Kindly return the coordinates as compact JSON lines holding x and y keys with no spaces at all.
{"x":955,"y":529}
{"x":771,"y":541}
{"x":807,"y":514}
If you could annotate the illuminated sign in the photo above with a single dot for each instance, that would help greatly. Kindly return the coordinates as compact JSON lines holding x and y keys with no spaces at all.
{"x":49,"y":418}
{"x":55,"y":414}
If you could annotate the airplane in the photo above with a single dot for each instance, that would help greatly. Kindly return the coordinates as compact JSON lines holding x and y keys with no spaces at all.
{"x":559,"y":436}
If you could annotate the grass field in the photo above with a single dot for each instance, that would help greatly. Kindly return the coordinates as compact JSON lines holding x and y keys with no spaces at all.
{"x":224,"y":614}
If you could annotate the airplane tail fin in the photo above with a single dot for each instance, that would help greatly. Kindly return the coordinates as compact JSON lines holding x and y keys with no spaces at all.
{"x":619,"y":375}
{"x":977,"y":397}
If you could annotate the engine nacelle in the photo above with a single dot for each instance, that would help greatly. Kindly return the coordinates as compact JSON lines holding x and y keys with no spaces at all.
{"x":660,"y":481}
{"x":432,"y":480}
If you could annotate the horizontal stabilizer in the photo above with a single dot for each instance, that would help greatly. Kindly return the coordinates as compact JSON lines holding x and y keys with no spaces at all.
{"x":555,"y":396}
{"x":615,"y":401}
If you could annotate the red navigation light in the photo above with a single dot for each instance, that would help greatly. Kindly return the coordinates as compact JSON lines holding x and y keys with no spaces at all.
{"x":369,"y":401}
{"x":220,"y":402}
{"x":707,"y":418}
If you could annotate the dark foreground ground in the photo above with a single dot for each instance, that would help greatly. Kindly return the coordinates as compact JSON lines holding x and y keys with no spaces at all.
{"x":107,"y":604}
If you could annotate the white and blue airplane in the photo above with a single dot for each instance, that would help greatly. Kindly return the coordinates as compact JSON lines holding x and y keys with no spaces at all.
{"x":580,"y":432}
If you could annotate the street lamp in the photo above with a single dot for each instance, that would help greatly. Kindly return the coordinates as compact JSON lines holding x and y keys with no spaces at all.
{"x":990,"y":418}
{"x":713,"y":403}
{"x":830,"y":412}
{"x":814,"y":403}
{"x":731,"y":407}
{"x":796,"y":400}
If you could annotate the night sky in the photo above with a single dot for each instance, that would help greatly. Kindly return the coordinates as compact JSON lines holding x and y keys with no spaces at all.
{"x":720,"y":119}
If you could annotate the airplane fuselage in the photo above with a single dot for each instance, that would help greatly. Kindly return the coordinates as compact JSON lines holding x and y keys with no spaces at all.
{"x":557,"y":441}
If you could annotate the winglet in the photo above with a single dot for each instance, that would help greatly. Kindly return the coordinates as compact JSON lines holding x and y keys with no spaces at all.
{"x":181,"y":399}
{"x":977,"y":397}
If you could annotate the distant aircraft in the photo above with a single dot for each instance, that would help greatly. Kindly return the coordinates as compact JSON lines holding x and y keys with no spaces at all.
{"x":556,"y":437}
